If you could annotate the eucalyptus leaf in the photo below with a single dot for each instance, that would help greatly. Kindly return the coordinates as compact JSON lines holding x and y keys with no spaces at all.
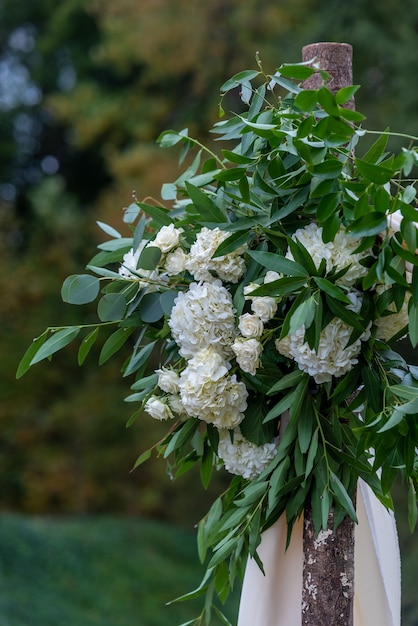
{"x":80,"y":289}
{"x":111,"y":307}
{"x":58,"y":340}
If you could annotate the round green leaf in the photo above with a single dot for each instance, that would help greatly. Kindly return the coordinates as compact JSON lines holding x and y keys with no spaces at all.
{"x":150,"y":308}
{"x":80,"y":289}
{"x":111,"y":307}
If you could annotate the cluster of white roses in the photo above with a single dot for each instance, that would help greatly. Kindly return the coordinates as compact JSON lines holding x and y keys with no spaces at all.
{"x":203,"y":324}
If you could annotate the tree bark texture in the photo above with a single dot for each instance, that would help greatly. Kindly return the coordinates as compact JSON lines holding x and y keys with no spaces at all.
{"x":334,"y":58}
{"x":328,"y":568}
{"x":328,"y":573}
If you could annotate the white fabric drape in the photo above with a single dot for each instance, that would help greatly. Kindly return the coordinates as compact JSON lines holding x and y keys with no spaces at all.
{"x":275,"y":599}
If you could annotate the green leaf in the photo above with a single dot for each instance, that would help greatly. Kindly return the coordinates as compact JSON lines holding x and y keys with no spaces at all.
{"x":307,"y":100}
{"x":204,"y":205}
{"x":331,"y":289}
{"x":395,"y":419}
{"x":206,"y":467}
{"x":413,"y":324}
{"x":239,"y":78}
{"x":150,"y":308}
{"x":231,"y":243}
{"x":171,"y":138}
{"x":182,"y":436}
{"x":412,"y":506}
{"x":114,"y":343}
{"x":116,"y":245}
{"x":230,"y":174}
{"x":328,"y":102}
{"x":142,"y":458}
{"x":327,"y":206}
{"x":26,"y":360}
{"x":306,"y":423}
{"x":303,"y":315}
{"x":377,"y":149}
{"x":297,"y":71}
{"x":371,"y":224}
{"x":80,"y":289}
{"x":378,"y":174}
{"x":150,"y":257}
{"x":86,"y":345}
{"x":344,"y":94}
{"x":342,"y":496}
{"x":109,"y":230}
{"x":160,"y":215}
{"x":279,"y":263}
{"x":167,"y":301}
{"x":290,"y":380}
{"x":350,"y":318}
{"x":58,"y":340}
{"x":139,"y":358}
{"x":111,"y":307}
{"x":251,"y":494}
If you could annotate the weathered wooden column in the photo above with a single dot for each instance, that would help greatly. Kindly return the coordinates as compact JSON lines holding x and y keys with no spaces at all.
{"x":328,"y":567}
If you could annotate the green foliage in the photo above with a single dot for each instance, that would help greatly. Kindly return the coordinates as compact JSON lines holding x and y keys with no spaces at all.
{"x":297,"y":160}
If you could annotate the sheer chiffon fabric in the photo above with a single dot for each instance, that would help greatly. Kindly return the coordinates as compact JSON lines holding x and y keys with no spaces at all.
{"x":275,"y":599}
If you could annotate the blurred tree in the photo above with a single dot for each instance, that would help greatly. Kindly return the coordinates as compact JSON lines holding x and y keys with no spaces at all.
{"x":85,"y":89}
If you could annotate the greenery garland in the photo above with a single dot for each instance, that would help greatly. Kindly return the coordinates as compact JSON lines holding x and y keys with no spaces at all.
{"x":271,"y":284}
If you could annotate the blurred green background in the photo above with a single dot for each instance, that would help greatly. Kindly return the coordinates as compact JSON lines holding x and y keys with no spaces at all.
{"x":85,"y":89}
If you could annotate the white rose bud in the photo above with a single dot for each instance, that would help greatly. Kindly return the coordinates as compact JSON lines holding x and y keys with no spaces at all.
{"x":247,"y":352}
{"x":248,"y":289}
{"x":250,"y":325}
{"x":158,"y":409}
{"x":265,"y":307}
{"x":271,"y":276}
{"x":175,"y":262}
{"x":168,"y":380}
{"x":167,"y":238}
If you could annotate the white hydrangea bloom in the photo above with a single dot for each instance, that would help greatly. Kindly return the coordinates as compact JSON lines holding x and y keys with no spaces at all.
{"x":167,"y":238}
{"x":248,"y":352}
{"x":209,"y":393}
{"x":338,"y":253}
{"x":250,"y":325}
{"x":390,"y":325}
{"x":158,"y":409}
{"x":175,"y":262}
{"x":168,"y":380}
{"x":229,"y":268}
{"x":243,"y":458}
{"x":333,"y":357}
{"x":203,"y":316}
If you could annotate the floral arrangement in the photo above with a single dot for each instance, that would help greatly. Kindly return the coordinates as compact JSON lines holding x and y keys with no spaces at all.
{"x":270,"y":284}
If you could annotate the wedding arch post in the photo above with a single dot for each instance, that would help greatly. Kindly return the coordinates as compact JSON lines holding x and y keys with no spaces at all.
{"x":328,"y":566}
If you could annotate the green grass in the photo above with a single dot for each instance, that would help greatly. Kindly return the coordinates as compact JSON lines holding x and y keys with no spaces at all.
{"x":91,"y":571}
{"x":112,"y":571}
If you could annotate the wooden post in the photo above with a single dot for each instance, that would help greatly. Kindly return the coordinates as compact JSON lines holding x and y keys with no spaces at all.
{"x":328,"y":566}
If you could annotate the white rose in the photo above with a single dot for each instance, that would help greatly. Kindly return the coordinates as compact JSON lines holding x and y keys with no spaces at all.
{"x":250,"y":325}
{"x":247,"y":352}
{"x":176,"y":404}
{"x":167,"y":238}
{"x":243,"y":458}
{"x":175,"y":262}
{"x":158,"y":409}
{"x":265,"y":307}
{"x":168,"y":380}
